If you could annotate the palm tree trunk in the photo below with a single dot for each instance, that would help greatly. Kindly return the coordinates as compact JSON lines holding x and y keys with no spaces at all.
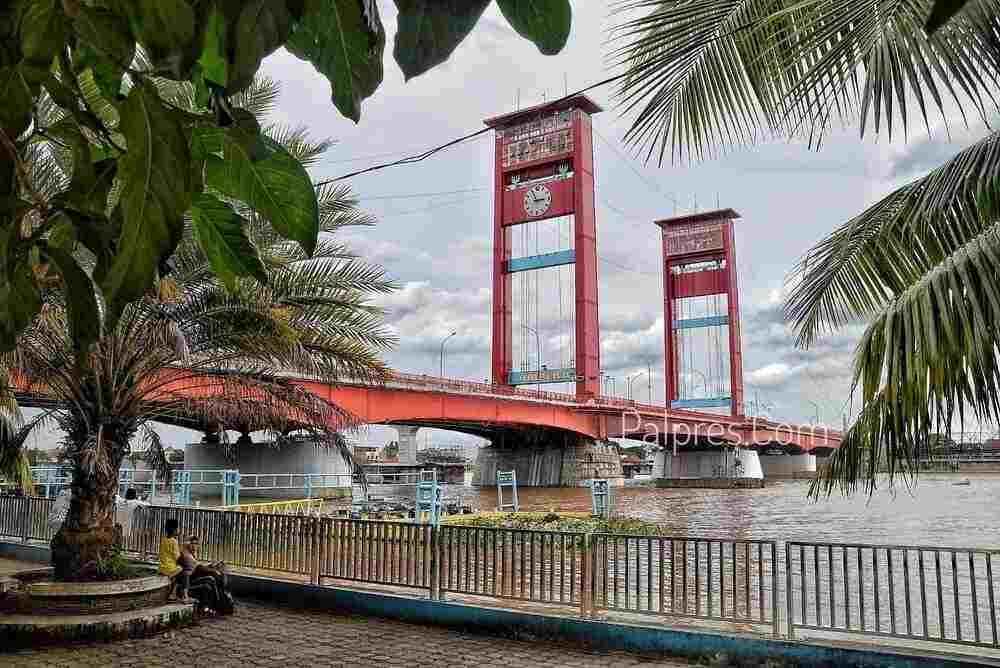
{"x":87,"y":534}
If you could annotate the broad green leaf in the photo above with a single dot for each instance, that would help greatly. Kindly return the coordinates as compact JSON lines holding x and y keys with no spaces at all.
{"x":222,"y":235}
{"x":44,"y":29}
{"x":545,"y":22}
{"x":10,"y":48}
{"x":156,"y":178}
{"x":98,"y":234}
{"x":428,"y":31}
{"x":344,"y":40}
{"x":106,"y":46}
{"x":261,"y":28}
{"x":60,"y":93}
{"x":167,"y":28}
{"x":63,"y":233}
{"x":213,"y":54}
{"x":92,"y":179}
{"x":941,"y":13}
{"x":81,"y":302}
{"x":275,"y":184}
{"x":88,"y":193}
{"x":20,"y":302}
{"x":15,"y":111}
{"x":207,"y":140}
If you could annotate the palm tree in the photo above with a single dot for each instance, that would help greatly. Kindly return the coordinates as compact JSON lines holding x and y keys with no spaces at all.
{"x":207,"y":352}
{"x":920,"y":266}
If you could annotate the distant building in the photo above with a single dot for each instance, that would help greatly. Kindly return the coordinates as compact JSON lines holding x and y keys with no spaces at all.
{"x":366,"y":453}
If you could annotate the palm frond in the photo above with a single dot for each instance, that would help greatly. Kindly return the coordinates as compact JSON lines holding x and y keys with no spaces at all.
{"x":296,"y":140}
{"x":928,"y":360}
{"x":703,"y":75}
{"x":855,"y":272}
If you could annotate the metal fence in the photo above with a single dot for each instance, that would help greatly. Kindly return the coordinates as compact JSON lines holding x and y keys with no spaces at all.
{"x":916,"y":593}
{"x":734,"y":581}
{"x":286,"y":543}
{"x":539,"y":566}
{"x":390,"y":553}
{"x":900,"y":591}
{"x":26,"y":517}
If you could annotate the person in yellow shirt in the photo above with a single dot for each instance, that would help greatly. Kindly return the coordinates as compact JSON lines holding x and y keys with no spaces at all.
{"x":170,"y":552}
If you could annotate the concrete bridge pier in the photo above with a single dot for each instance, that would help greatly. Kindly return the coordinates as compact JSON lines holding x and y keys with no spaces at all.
{"x":710,"y":467}
{"x":407,"y":444}
{"x":780,"y":465}
{"x":548,"y":459}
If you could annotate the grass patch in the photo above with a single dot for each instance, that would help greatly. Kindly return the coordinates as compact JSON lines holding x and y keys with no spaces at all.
{"x":550,"y":521}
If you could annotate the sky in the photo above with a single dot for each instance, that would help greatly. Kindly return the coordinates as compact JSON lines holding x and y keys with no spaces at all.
{"x":438,"y":247}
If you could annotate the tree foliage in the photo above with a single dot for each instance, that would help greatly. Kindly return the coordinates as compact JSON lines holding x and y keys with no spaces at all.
{"x":207,"y":348}
{"x":88,"y":78}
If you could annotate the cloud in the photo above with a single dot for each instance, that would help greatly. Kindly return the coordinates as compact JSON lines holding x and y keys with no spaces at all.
{"x":773,"y":375}
{"x":919,"y":157}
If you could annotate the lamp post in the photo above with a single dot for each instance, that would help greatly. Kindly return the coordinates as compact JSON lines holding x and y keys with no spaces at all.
{"x":632,"y":378}
{"x":816,"y":406}
{"x":704,"y":380}
{"x":441,"y":365}
{"x":538,"y":354}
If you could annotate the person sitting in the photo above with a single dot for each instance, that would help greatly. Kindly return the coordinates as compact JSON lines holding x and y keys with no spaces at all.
{"x":207,"y":583}
{"x":170,"y":553}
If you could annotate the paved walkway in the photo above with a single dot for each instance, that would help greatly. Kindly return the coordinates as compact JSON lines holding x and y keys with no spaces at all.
{"x":260,"y":635}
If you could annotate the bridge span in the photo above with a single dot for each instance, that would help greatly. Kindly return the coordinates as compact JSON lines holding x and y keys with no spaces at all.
{"x":550,"y":438}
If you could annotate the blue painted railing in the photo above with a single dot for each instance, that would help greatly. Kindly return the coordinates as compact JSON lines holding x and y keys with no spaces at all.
{"x":708,"y":321}
{"x":530,"y":262}
{"x":707,"y":402}
{"x":542,"y":376}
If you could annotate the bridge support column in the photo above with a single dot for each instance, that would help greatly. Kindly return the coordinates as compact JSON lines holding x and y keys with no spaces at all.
{"x":544,"y":459}
{"x":709,"y":466}
{"x":780,"y":465}
{"x":407,"y":445}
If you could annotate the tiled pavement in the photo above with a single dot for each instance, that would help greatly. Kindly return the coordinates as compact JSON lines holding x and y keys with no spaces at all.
{"x":262,"y":635}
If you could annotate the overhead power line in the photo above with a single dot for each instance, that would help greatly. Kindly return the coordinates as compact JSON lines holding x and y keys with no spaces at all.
{"x":472,"y":135}
{"x":419,"y":195}
{"x":628,"y":163}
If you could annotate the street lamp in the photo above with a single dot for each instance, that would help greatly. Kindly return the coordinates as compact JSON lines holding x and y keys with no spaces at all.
{"x":816,"y":406}
{"x":444,"y":341}
{"x":704,"y":380}
{"x":538,"y":354}
{"x":630,"y":379}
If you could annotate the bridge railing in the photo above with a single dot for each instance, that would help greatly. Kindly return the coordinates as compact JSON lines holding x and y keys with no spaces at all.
{"x":917,"y":594}
{"x":473,"y":387}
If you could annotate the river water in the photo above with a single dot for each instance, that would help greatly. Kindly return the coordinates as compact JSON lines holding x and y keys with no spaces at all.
{"x":934,"y":512}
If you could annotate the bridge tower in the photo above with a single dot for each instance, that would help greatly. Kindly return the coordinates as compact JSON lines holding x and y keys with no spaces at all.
{"x":545,"y":239}
{"x":703,"y":361}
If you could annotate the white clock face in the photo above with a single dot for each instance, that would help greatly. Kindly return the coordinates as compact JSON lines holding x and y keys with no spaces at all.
{"x":537,"y":200}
